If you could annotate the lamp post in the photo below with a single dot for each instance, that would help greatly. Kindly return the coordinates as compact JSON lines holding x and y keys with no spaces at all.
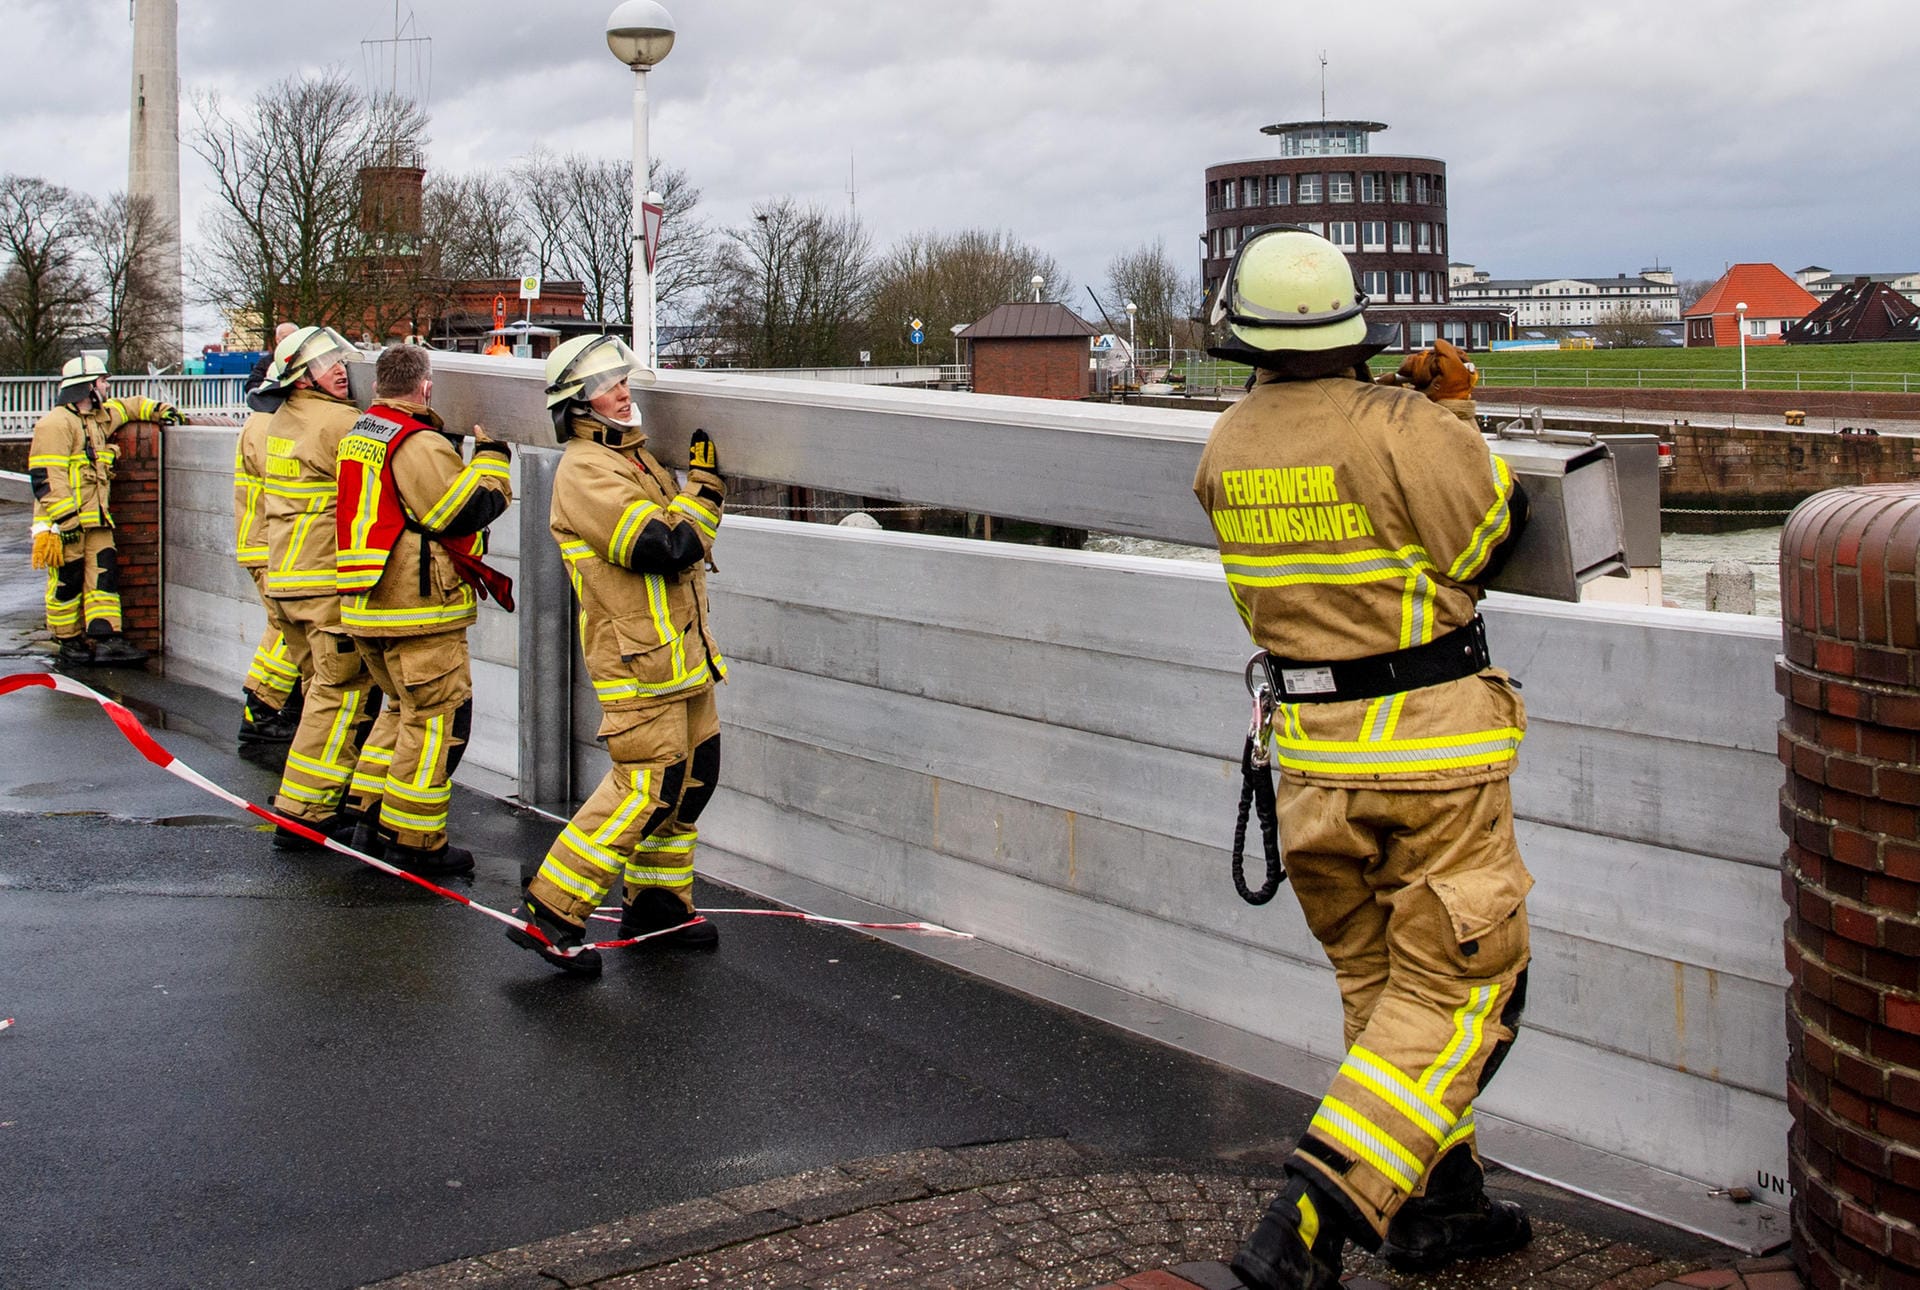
{"x":1741,"y":310}
{"x":640,"y":34}
{"x":1038,"y":282}
{"x":956,"y":329}
{"x":1133,"y":355}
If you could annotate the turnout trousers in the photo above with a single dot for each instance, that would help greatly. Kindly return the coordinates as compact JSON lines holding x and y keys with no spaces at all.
{"x":639,"y":824}
{"x":83,"y":590}
{"x":278,"y":663}
{"x":429,"y":682}
{"x":338,"y":721}
{"x":1418,"y":898}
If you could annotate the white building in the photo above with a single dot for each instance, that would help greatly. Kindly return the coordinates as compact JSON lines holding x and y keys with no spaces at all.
{"x":1648,"y":296}
{"x":1823,"y":282}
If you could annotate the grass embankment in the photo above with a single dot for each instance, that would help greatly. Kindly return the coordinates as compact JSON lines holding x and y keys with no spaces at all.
{"x":1884,"y":367}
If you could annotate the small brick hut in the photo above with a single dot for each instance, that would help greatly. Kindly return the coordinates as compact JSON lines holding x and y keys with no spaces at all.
{"x":1039,"y":351}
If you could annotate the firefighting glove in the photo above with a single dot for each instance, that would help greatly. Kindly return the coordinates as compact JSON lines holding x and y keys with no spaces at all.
{"x":1453,"y":376}
{"x":484,"y":442}
{"x":1415,"y":370}
{"x":703,"y":467}
{"x":47,"y":547}
{"x":172,"y":416}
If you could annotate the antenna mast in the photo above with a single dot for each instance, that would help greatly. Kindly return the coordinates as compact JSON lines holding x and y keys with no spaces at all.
{"x":1323,"y":85}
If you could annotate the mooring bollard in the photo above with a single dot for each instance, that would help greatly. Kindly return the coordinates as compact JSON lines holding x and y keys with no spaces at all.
{"x":1850,"y":610}
{"x":1730,"y":587}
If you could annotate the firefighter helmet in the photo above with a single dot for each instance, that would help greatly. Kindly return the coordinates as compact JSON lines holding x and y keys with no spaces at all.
{"x":583,"y":368}
{"x":77,"y":376}
{"x":306,"y":351}
{"x":1288,"y":288}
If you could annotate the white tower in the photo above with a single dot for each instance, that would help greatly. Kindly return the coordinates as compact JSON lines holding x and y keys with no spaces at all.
{"x":153,"y":153}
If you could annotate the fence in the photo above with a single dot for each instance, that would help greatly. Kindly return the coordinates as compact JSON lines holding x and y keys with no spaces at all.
{"x":1697,"y":378}
{"x":1040,"y":746}
{"x":25,"y":399}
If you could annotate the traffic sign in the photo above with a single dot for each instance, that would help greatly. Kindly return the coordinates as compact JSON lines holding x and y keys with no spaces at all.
{"x":917,"y":336}
{"x":917,"y":325}
{"x":651,"y":217}
{"x":530,"y":287}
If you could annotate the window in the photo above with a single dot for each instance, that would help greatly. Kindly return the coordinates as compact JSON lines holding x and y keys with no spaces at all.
{"x":1228,"y":191}
{"x":1403,"y":284}
{"x":1340,"y":186}
{"x":1343,"y":233}
{"x":1756,"y":326}
{"x":1310,"y":189}
{"x":1454,"y":332}
{"x":1373,"y":186}
{"x":1373,"y":235}
{"x":1439,"y":239}
{"x":1227,"y":240}
{"x":1374,"y":283}
{"x":1213,"y":198}
{"x":1250,"y":191}
{"x":1279,"y":190}
{"x":1479,"y":334}
{"x":1399,"y":186}
{"x":1422,"y":189}
{"x":1402,"y":235}
{"x":1426,"y":285}
{"x":1424,"y":239}
{"x":1423,"y":334}
{"x":1315,"y":226}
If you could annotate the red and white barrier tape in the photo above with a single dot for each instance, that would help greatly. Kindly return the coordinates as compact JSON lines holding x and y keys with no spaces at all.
{"x":6,"y":1023}
{"x":611,"y":914}
{"x":148,"y":747}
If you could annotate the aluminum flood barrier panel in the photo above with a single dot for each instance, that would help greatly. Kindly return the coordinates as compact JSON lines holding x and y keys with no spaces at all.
{"x":1041,"y":747}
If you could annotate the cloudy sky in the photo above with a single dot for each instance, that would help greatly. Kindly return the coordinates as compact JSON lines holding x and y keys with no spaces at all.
{"x":1580,"y":139}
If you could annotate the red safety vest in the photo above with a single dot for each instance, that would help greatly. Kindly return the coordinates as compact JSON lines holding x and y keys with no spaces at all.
{"x":367,"y":488}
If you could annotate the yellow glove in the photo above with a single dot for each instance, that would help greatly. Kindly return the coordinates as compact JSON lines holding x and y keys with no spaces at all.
{"x":47,"y":549}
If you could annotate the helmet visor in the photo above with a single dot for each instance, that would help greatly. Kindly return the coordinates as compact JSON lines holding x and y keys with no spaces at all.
{"x":596,"y":369}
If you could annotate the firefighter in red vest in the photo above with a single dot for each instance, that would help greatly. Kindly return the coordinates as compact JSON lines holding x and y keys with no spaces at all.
{"x":636,"y":543}
{"x":410,"y":528}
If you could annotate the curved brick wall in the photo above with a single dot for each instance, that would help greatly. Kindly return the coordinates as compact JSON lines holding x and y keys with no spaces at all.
{"x":1850,"y":604}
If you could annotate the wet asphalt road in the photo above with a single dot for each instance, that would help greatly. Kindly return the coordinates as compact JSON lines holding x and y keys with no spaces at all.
{"x":236,"y":1068}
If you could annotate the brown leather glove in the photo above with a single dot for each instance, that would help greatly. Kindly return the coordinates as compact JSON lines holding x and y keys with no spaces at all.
{"x":1453,"y":376}
{"x":1415,"y":370}
{"x":48,"y":549}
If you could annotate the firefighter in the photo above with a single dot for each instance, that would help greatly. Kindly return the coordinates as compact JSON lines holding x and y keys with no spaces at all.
{"x":338,"y":743}
{"x":271,"y":698}
{"x":410,"y":530}
{"x":70,"y":467}
{"x":635,"y":543}
{"x":1444,"y":375}
{"x":1357,"y":525}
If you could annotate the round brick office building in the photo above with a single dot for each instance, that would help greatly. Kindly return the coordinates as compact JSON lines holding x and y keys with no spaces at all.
{"x":1388,"y":213}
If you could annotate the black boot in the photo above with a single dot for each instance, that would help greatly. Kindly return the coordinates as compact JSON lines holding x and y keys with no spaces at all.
{"x":75,"y":651}
{"x":656,"y":909}
{"x":443,"y":861}
{"x":370,"y":837}
{"x":563,"y":934}
{"x":117,"y":651}
{"x":260,"y":724}
{"x":1298,"y":1244}
{"x":337,"y":826}
{"x":1456,"y":1219}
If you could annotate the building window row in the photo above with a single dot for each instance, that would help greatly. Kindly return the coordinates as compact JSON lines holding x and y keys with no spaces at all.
{"x":1348,"y":235}
{"x":1336,"y":186}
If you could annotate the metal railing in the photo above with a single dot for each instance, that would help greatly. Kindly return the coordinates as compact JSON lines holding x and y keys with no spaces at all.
{"x":25,"y":399}
{"x":1697,"y":378}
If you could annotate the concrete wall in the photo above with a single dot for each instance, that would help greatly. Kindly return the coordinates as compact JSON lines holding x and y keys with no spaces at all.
{"x":1041,"y":746}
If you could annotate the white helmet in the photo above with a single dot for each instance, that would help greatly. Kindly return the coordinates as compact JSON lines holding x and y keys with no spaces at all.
{"x":1291,"y":291}
{"x":302,"y":353}
{"x":583,"y":368}
{"x":77,"y":376}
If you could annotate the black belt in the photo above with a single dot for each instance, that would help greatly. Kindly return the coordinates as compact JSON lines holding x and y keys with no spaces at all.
{"x":1461,"y":652}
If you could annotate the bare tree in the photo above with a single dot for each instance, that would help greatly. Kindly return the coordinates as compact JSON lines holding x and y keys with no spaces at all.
{"x":1691,"y":289}
{"x":1165,"y":296}
{"x":291,"y":236}
{"x":1627,"y":326}
{"x":579,"y":212}
{"x":477,"y":223}
{"x":134,"y":306}
{"x":791,"y":285}
{"x":945,"y":279}
{"x":44,"y":289}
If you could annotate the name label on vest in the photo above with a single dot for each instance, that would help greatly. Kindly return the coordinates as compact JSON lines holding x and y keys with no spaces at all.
{"x":367,"y":442}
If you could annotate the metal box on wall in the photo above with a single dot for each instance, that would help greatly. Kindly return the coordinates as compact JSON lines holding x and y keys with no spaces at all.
{"x":1575,"y":532}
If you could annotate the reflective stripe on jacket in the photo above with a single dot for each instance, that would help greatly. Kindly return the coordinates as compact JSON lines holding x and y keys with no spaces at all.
{"x":635,"y":548}
{"x":70,"y":467}
{"x":303,"y":441}
{"x":403,"y":491}
{"x":249,"y":486}
{"x":1351,"y":520}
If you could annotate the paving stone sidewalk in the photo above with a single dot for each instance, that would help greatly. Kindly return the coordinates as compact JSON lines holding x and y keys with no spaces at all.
{"x":1042,"y":1214}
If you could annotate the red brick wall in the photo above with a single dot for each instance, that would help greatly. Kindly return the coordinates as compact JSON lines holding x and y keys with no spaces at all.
{"x":1714,"y":466}
{"x":136,"y":518}
{"x":1863,"y":407}
{"x":1850,"y":603}
{"x":1035,"y":368}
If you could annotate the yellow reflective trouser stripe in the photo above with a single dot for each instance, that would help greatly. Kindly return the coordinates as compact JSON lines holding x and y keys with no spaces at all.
{"x":568,"y":881}
{"x":623,"y":819}
{"x":1353,"y":1131}
{"x":1461,"y":1132}
{"x":428,"y":821}
{"x":1469,"y":1027}
{"x":271,"y":663}
{"x":641,"y":876}
{"x":1390,"y":1085}
{"x":60,"y":613}
{"x":630,"y":688}
{"x":1493,"y":527}
{"x":1390,"y":756}
{"x":431,"y":750}
{"x":343,"y":725}
{"x":627,"y":531}
{"x":703,"y":519}
{"x":587,"y":849}
{"x":320,"y":770}
{"x":301,"y":793}
{"x":370,"y":775}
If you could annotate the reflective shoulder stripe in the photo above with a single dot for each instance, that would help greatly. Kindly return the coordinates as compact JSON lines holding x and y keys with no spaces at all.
{"x":703,"y":519}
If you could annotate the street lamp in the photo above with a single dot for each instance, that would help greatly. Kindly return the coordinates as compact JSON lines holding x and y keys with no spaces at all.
{"x":956,"y":329}
{"x":640,"y":34}
{"x":1741,"y":310}
{"x":1038,"y":282}
{"x":1133,"y":355}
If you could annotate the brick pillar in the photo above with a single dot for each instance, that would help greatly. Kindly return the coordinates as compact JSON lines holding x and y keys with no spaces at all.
{"x":136,"y":517}
{"x":1850,"y":599}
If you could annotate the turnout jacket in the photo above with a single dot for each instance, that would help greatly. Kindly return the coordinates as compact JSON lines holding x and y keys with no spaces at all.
{"x":635,"y":546}
{"x":1352,"y":521}
{"x":303,"y":444}
{"x":249,"y":489}
{"x":70,"y":465}
{"x":411,"y":523}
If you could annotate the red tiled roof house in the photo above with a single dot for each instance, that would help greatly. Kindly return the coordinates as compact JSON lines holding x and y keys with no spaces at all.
{"x":1774,"y":303}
